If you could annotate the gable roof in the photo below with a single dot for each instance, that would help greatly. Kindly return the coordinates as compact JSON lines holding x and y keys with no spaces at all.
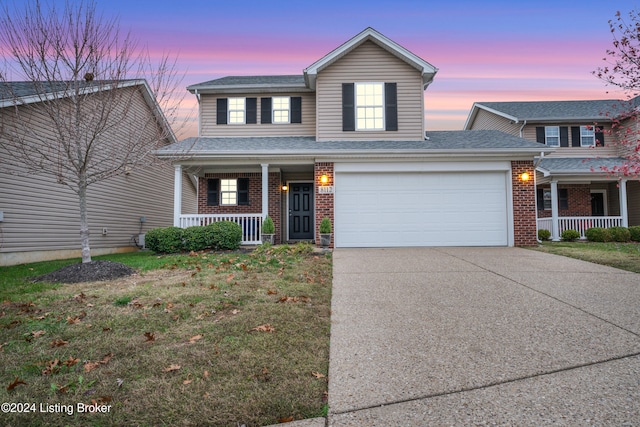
{"x":548,"y":111}
{"x":251,"y":84}
{"x":578,"y":165}
{"x":369,"y":34}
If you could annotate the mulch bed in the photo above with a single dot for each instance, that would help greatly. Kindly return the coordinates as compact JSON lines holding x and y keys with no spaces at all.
{"x":87,"y":272}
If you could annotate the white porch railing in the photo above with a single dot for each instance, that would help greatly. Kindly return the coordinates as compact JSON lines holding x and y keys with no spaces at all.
{"x":251,"y":224}
{"x":580,"y":223}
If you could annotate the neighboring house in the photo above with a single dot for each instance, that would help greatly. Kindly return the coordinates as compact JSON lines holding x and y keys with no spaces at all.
{"x":346,"y":140}
{"x":575,"y":187}
{"x":39,"y":218}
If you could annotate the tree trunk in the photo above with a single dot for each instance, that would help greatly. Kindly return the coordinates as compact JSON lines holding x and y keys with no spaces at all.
{"x":84,"y":221}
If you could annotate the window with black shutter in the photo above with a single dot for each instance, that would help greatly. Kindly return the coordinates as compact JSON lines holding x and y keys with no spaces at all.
{"x":221,"y":111}
{"x":243,"y":191}
{"x":252,"y":111}
{"x":544,"y":198}
{"x":348,"y":107}
{"x":212,"y":192}
{"x":265,"y":110}
{"x":391,"y":106}
{"x":296,"y":109}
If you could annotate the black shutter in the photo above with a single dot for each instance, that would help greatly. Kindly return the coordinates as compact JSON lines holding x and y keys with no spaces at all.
{"x":575,"y":136}
{"x":348,"y":107}
{"x":265,"y":110}
{"x":243,"y":191}
{"x":212,"y":192}
{"x":221,"y":111}
{"x":599,"y":136}
{"x":540,"y":134}
{"x":391,"y":106}
{"x":296,"y":109}
{"x":564,"y":136}
{"x":563,"y":198}
{"x":540,"y":197}
{"x":251,"y":104}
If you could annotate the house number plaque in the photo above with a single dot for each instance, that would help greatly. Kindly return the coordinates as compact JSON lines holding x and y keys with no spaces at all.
{"x":327,"y":189}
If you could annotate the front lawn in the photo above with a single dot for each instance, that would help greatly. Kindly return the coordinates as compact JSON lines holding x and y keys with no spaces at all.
{"x":202,"y":339}
{"x":625,"y":256}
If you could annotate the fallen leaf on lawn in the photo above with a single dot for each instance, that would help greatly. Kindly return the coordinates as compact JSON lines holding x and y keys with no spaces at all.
{"x":206,"y":375}
{"x":188,"y":380}
{"x":73,"y":320}
{"x":150,"y":336}
{"x":70,"y":361}
{"x":2,"y":345}
{"x":171,"y":368}
{"x":230,"y":278}
{"x":89,"y":305}
{"x":272,"y":292}
{"x":285,"y":420}
{"x":107,"y":357}
{"x":15,"y":383}
{"x":236,"y":311}
{"x":37,"y":334}
{"x":317,"y":375}
{"x":195,"y":338}
{"x":90,"y":366}
{"x":59,"y":343}
{"x":51,"y":367}
{"x":119,"y":381}
{"x":264,"y":328}
{"x":106,"y":329}
{"x":102,"y":400}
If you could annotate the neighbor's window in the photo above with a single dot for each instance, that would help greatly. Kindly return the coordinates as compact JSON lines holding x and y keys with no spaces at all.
{"x":236,"y":111}
{"x":369,"y":106}
{"x":228,"y":192}
{"x":281,"y":108}
{"x":552,"y":136}
{"x":587,"y":136}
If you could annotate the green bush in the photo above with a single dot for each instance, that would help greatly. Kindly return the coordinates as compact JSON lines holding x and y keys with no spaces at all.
{"x":225,"y":235}
{"x":165,"y":240}
{"x":570,"y":235}
{"x":620,"y":234}
{"x":325,"y":226}
{"x":598,"y":234}
{"x":267,"y":226}
{"x":544,"y":234}
{"x":634,"y":232}
{"x":196,"y":238}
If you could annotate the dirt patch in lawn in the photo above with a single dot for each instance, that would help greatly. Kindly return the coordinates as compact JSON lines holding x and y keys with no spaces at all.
{"x":87,"y":272}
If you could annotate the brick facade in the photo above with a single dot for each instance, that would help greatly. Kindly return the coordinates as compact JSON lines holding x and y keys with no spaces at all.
{"x":324,"y":202}
{"x":524,"y":204}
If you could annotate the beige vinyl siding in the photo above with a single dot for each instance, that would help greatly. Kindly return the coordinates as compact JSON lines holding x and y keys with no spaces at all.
{"x":41,"y":216}
{"x":486,"y":120}
{"x":370,"y":63}
{"x":609,"y":149}
{"x":209,"y":127}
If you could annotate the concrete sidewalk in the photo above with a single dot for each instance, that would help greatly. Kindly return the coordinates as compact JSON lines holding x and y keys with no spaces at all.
{"x":467,"y":336}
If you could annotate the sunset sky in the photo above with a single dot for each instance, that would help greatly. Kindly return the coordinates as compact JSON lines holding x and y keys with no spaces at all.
{"x":484,"y":50}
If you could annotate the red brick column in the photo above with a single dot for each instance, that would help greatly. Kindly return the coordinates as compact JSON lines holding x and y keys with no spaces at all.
{"x":524,"y":203}
{"x":324,"y":202}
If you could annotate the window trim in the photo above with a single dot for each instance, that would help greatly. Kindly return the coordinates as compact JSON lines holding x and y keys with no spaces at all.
{"x":592,"y":136}
{"x":547,"y":136}
{"x":381,"y":106}
{"x":563,"y":199}
{"x":274,"y":110}
{"x":231,"y":110}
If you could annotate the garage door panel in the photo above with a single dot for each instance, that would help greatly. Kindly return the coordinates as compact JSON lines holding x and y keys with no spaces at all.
{"x":421,"y":209}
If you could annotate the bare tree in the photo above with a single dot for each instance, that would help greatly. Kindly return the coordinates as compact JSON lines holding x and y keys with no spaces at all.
{"x":623,"y":72}
{"x":82,"y":78}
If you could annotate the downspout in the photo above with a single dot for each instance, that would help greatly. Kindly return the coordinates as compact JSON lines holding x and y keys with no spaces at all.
{"x":524,"y":123}
{"x":199,"y":112}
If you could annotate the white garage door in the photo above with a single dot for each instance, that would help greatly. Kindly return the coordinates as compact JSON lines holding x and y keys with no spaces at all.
{"x":421,"y":209}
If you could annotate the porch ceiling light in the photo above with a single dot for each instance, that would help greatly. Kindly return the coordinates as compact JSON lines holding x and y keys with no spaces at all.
{"x":324,"y":179}
{"x":525,"y":176}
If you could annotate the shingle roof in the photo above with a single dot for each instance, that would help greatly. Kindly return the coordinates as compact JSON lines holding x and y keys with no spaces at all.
{"x":472,"y":140}
{"x":556,"y":110}
{"x":11,"y":90}
{"x":568,"y":165}
{"x":235,"y":82}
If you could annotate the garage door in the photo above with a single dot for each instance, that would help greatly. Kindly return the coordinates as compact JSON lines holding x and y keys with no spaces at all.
{"x":421,"y":209}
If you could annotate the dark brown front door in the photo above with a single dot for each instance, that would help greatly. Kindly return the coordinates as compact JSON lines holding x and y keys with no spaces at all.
{"x":301,"y":211}
{"x":597,"y":204}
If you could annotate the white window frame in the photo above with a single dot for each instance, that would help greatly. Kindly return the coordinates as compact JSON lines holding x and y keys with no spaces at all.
{"x":547,"y":135}
{"x":546,"y":199}
{"x":234,"y":109}
{"x":587,"y":132}
{"x":278,"y":108}
{"x":228,"y":192}
{"x":367,"y":107}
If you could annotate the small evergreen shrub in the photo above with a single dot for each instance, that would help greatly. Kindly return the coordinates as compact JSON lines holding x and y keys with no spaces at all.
{"x":570,"y":235}
{"x":620,"y":234}
{"x":544,"y":234}
{"x":267,"y":226}
{"x":225,"y":235}
{"x":195,"y":238}
{"x":634,"y":233}
{"x":165,"y":240}
{"x":325,"y":226}
{"x":598,"y":234}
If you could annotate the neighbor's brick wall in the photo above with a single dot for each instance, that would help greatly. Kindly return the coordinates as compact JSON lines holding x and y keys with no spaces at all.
{"x":255,"y":197}
{"x":579,"y":198}
{"x":524,"y":204}
{"x":324,"y":202}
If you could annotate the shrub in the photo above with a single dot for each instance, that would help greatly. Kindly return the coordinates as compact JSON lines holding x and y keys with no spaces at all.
{"x":225,"y":235}
{"x":598,"y":234}
{"x":570,"y":235}
{"x":195,"y":238}
{"x":634,"y":233}
{"x":267,"y":226}
{"x":544,"y":234}
{"x":165,"y":240}
{"x":620,"y":234}
{"x":325,"y":226}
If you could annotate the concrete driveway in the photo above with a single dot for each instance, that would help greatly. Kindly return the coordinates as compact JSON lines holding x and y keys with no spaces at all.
{"x":468,"y":336}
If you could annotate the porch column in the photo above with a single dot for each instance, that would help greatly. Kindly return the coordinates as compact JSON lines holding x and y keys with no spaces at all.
{"x":265,"y":190}
{"x":622,"y":186}
{"x":177,"y":195}
{"x":555,"y":232}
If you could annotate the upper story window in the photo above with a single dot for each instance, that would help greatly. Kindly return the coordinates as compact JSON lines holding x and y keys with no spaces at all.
{"x":281,"y":109}
{"x":552,"y":136}
{"x":369,"y":106}
{"x":237,"y":113}
{"x":587,"y":136}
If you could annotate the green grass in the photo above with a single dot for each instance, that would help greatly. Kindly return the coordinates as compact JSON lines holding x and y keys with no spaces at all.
{"x":116,"y":342}
{"x":625,"y":256}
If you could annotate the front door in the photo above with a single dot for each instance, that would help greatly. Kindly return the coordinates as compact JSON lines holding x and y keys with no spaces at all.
{"x":597,"y":204}
{"x":301,"y":211}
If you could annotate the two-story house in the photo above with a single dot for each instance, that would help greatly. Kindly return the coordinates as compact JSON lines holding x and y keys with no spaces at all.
{"x":346,"y":140}
{"x":575,"y":186}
